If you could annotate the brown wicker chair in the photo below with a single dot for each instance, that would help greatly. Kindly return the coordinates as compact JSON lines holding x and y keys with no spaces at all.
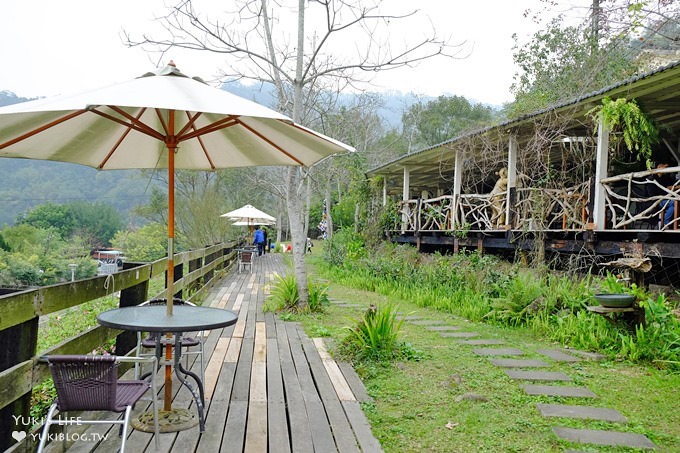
{"x":245,"y":258}
{"x":90,"y":383}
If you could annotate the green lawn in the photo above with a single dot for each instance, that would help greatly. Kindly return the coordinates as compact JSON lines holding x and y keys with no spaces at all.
{"x":456,"y":401}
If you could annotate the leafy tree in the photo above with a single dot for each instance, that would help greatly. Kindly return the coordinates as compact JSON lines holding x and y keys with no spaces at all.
{"x":563,"y":61}
{"x":145,"y":244}
{"x":96,"y":222}
{"x":559,"y":64}
{"x":442,"y":119}
{"x":49,"y":215}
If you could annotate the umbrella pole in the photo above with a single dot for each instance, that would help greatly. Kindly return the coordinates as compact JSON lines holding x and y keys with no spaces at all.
{"x":172,"y":146}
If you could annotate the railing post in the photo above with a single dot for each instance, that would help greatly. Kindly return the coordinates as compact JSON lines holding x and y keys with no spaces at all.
{"x":134,"y":295}
{"x":179,"y":274}
{"x":17,"y":344}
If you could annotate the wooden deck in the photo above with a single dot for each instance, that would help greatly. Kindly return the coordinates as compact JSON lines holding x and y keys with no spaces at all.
{"x":269,"y":387}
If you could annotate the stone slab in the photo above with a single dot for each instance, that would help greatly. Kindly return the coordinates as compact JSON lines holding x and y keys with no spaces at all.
{"x":481,"y":342}
{"x":558,"y":390}
{"x":442,"y":328}
{"x":588,"y":412}
{"x":498,"y":351}
{"x":518,"y":363}
{"x":537,"y":375}
{"x":612,"y":438}
{"x":458,"y":334}
{"x":412,"y":318}
{"x":427,"y":322}
{"x":596,"y":356}
{"x":559,"y":356}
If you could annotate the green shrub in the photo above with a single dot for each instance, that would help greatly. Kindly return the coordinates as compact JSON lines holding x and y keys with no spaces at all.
{"x":284,"y":295}
{"x":374,"y":336}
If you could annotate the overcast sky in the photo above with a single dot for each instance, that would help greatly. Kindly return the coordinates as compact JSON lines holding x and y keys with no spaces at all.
{"x":50,"y":47}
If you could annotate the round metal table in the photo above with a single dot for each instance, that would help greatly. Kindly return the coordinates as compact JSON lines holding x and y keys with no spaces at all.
{"x":185,"y":318}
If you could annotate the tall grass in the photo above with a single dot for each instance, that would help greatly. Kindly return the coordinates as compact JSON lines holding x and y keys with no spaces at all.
{"x":484,"y":288}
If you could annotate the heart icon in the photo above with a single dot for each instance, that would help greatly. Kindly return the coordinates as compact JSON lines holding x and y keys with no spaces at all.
{"x":19,"y":435}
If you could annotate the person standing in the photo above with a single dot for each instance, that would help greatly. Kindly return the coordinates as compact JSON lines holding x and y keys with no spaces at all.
{"x":258,"y":240}
{"x":265,"y":244}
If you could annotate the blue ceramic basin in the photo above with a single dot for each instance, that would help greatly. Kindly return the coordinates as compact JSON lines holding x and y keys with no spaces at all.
{"x":615,"y":300}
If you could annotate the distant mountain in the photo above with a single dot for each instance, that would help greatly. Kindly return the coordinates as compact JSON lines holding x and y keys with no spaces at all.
{"x":395,"y":103}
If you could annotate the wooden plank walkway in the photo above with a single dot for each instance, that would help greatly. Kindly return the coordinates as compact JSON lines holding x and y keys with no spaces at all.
{"x":269,"y":388}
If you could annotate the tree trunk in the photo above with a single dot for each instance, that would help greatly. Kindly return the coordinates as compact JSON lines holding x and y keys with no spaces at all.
{"x":329,"y":217}
{"x":298,"y":239}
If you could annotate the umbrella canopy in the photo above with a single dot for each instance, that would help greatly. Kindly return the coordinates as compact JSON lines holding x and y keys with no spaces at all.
{"x":129,"y":125}
{"x":162,"y":119}
{"x":251,"y":223}
{"x":250,"y":215}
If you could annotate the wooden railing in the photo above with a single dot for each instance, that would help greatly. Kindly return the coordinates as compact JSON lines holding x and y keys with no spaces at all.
{"x":546,"y":209}
{"x":20,"y":312}
{"x":552,"y":209}
{"x":628,"y":204}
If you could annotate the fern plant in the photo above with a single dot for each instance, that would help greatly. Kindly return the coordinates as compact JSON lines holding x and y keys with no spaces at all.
{"x":638,"y":130}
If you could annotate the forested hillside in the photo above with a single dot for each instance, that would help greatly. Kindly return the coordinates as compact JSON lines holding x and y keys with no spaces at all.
{"x":25,"y":184}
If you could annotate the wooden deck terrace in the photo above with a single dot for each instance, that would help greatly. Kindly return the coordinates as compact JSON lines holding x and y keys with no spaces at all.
{"x":269,"y":387}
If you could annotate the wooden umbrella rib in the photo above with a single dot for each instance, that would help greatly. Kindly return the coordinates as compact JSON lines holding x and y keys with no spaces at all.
{"x":162,"y":120}
{"x":42,"y":128}
{"x":192,"y":124}
{"x":265,"y":139}
{"x":216,"y":126}
{"x":133,"y":123}
{"x":120,"y":140}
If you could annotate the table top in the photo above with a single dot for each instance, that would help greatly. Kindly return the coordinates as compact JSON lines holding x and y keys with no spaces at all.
{"x":154,"y":318}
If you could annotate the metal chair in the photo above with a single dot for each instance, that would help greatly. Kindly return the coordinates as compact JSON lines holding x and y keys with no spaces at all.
{"x":245,"y":258}
{"x":90,"y":383}
{"x":152,"y":340}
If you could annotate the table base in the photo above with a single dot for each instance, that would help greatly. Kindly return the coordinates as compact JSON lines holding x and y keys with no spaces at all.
{"x":168,"y":421}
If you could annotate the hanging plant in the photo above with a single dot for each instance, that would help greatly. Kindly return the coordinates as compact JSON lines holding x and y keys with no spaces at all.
{"x":625,"y":117}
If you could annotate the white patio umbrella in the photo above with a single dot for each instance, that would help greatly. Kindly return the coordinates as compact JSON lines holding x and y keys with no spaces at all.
{"x":249,"y":223}
{"x":162,"y":119}
{"x":249,"y":215}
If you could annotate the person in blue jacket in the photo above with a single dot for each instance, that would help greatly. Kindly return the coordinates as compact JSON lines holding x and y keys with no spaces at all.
{"x":258,"y":240}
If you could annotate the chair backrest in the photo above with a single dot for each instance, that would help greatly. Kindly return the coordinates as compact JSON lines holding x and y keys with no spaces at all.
{"x":246,"y":257}
{"x":84,"y":382}
{"x":175,"y":301}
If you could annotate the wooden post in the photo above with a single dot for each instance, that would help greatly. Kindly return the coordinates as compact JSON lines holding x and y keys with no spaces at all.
{"x":511,"y":194}
{"x":178,"y":275}
{"x":602,"y":161}
{"x":406,"y":193}
{"x":457,"y":184}
{"x":17,"y":344}
{"x":130,"y":297}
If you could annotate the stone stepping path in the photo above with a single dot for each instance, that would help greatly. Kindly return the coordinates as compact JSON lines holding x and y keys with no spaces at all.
{"x":611,"y":438}
{"x":498,"y":351}
{"x":558,"y":390}
{"x":518,"y":363}
{"x":442,"y":328}
{"x":596,"y":356}
{"x":538,"y":375}
{"x":458,"y":334}
{"x":514,"y":369}
{"x":481,"y":342}
{"x":428,"y":322}
{"x":588,"y":412}
{"x":559,"y":356}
